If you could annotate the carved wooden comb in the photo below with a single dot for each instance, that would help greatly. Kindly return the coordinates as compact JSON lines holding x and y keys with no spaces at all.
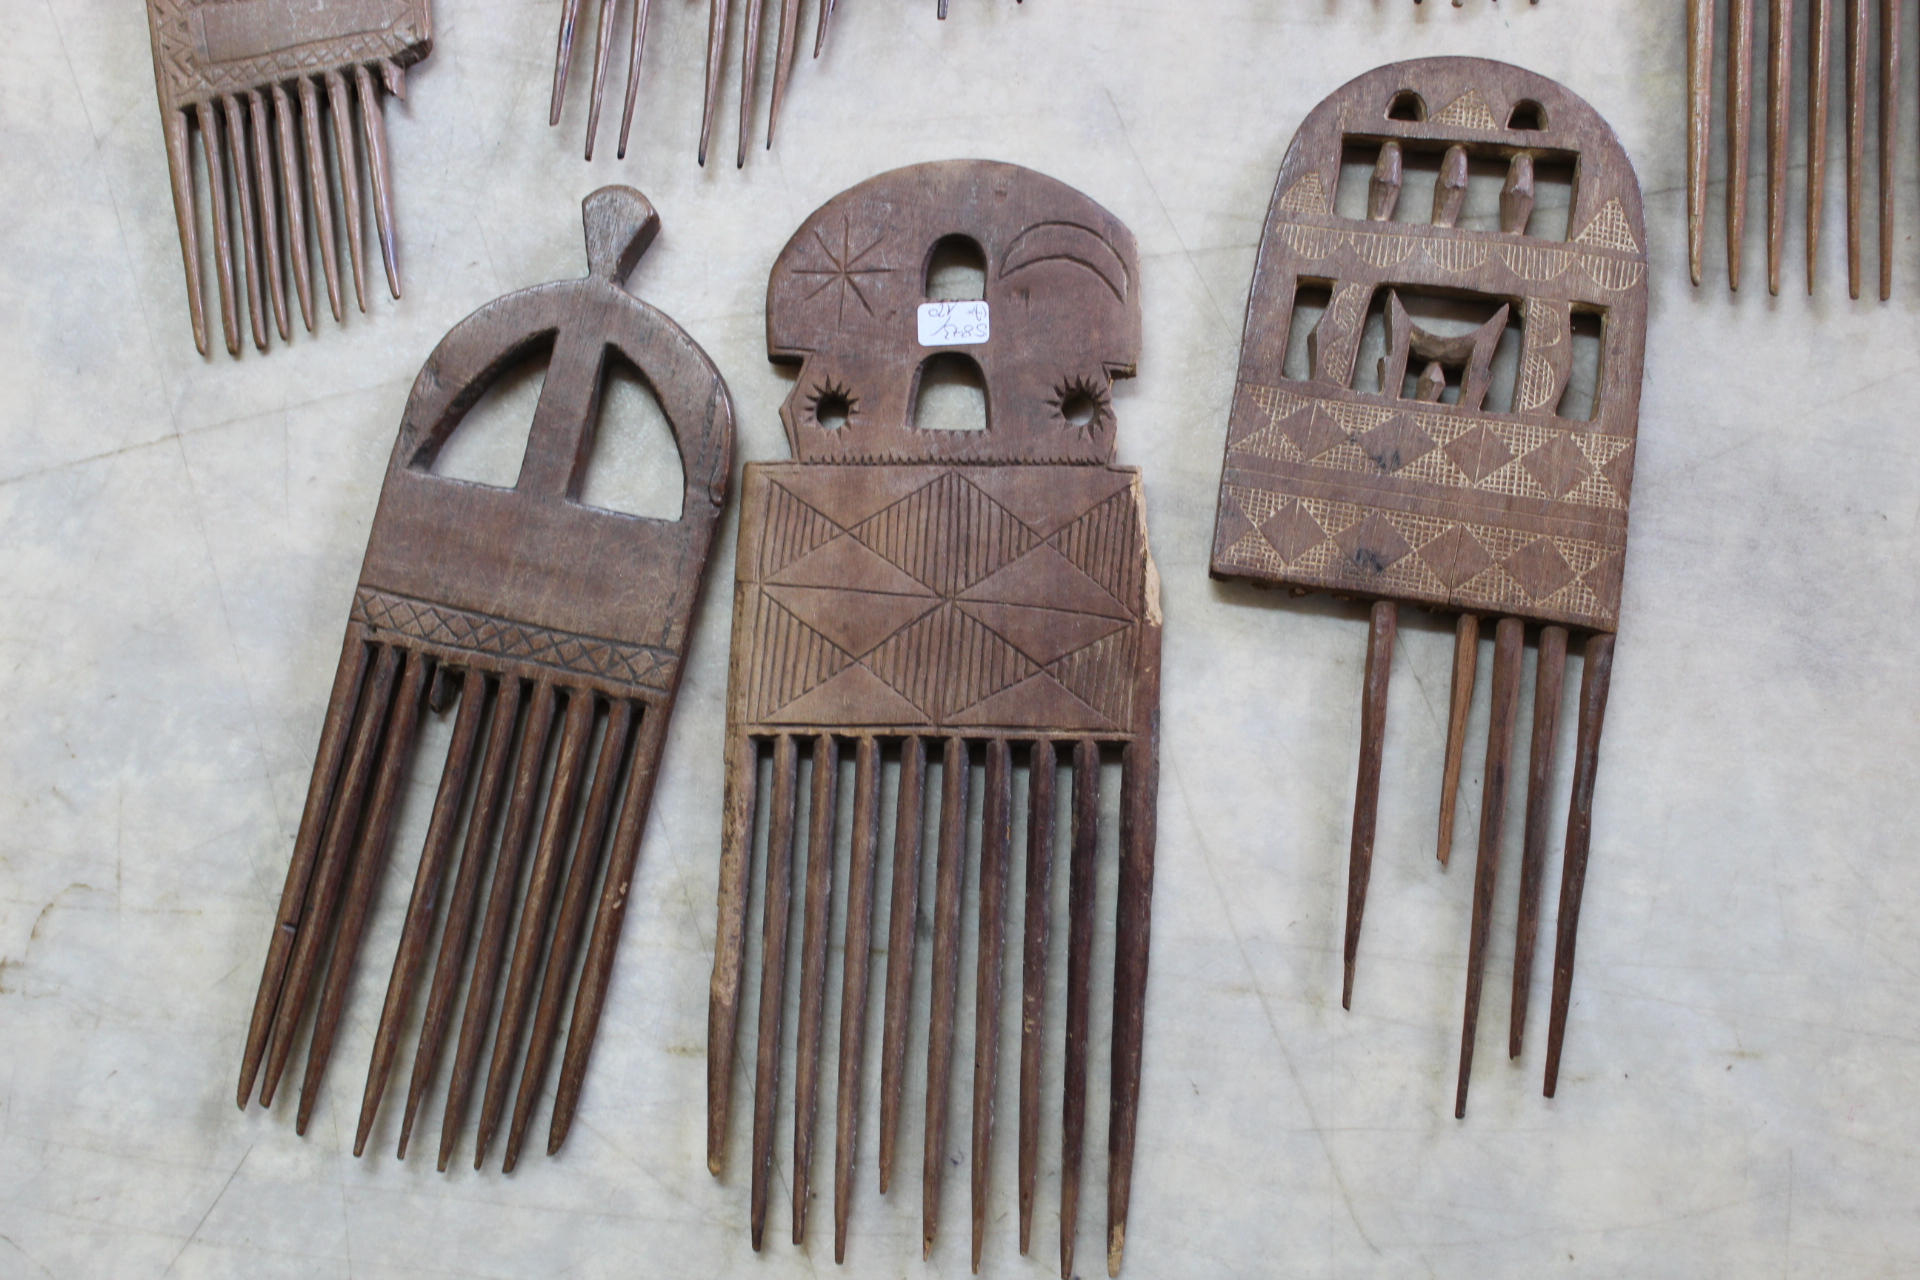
{"x":963,"y":595}
{"x":251,"y":75}
{"x":1463,"y":467}
{"x":558,"y":629}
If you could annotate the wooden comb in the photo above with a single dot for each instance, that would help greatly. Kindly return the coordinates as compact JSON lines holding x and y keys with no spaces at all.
{"x":1858,"y":33}
{"x":249,"y":77}
{"x":1422,"y":478}
{"x":558,"y":631}
{"x":957,"y":595}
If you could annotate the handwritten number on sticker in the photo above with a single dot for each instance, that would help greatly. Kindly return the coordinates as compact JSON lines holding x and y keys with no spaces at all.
{"x":953,"y":324}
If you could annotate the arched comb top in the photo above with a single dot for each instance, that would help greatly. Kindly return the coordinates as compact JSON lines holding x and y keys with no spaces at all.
{"x":1058,"y":317}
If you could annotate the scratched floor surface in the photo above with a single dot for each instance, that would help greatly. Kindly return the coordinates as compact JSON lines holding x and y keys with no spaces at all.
{"x":181,"y":537}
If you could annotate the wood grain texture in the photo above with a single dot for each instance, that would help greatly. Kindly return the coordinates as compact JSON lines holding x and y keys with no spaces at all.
{"x":1819,"y":103}
{"x":1366,"y":791}
{"x":1739,"y":129}
{"x":1466,"y":668}
{"x":500,"y":600}
{"x":1549,"y":676}
{"x":1595,"y":680}
{"x":988,"y":589}
{"x":854,"y":984}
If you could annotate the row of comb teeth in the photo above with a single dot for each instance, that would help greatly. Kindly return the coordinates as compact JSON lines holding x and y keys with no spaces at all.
{"x":515,"y":732}
{"x":1858,"y":35}
{"x":255,"y":145}
{"x":1550,"y":674}
{"x":1044,"y":757}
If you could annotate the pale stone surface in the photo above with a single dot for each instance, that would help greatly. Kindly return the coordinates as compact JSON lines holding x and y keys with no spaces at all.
{"x":183,"y":534}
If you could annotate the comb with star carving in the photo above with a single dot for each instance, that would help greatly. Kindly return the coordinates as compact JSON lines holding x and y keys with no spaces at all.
{"x":1437,"y":402}
{"x":952,"y":608}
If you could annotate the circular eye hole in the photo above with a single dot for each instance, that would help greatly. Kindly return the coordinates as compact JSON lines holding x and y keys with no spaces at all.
{"x":1406,"y":105}
{"x":1079,"y":408}
{"x":831,"y":408}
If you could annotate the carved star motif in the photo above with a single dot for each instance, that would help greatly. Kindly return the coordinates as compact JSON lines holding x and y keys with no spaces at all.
{"x":843,"y":269}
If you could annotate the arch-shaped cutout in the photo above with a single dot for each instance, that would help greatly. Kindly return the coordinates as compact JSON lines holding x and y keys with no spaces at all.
{"x":1407,"y":105}
{"x":956,"y":269}
{"x":634,"y":466}
{"x":1580,"y":402}
{"x":489,"y":442}
{"x":951,"y":395}
{"x":1527,"y":115}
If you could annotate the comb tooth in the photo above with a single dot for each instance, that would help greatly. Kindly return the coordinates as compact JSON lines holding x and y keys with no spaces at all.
{"x":814,"y":941}
{"x":1432,"y":383}
{"x":342,"y":113}
{"x":902,"y":931}
{"x":322,"y":192}
{"x":1548,"y":680}
{"x":1779,"y":122}
{"x":395,"y":77}
{"x":634,"y":52}
{"x":1033,"y":983}
{"x":1856,"y":134}
{"x":1890,"y":23}
{"x":1596,"y":675}
{"x":1819,"y":91}
{"x":1739,"y":128}
{"x":1516,"y":196}
{"x":342,"y":819}
{"x":296,"y":204}
{"x":269,"y":214}
{"x":1699,"y":125}
{"x":466,"y":897}
{"x":1366,"y":795}
{"x":820,"y":32}
{"x":597,"y":970}
{"x":493,"y":928}
{"x":369,"y":860}
{"x":345,"y":698}
{"x":373,"y":130}
{"x":427,"y":879}
{"x":222,"y":236}
{"x":186,"y":214}
{"x":853,"y":985}
{"x":563,"y":58}
{"x":1466,"y":660}
{"x":573,"y":914}
{"x":783,"y":61}
{"x":773,"y":972}
{"x":1450,"y":192}
{"x":955,"y":769}
{"x":1383,"y":189}
{"x":942,"y":13}
{"x":1509,"y":639}
{"x":749,"y":77}
{"x":249,"y":233}
{"x":729,"y":948}
{"x":1081,"y":871}
{"x":549,"y":854}
{"x":602,"y":63}
{"x":717,"y":14}
{"x":996,"y":835}
{"x":1139,"y":792}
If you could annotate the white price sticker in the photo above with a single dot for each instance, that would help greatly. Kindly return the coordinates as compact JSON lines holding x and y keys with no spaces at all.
{"x":958,"y":323}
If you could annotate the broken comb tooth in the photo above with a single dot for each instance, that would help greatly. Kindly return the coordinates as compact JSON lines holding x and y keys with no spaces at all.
{"x":985,"y":597}
{"x":1505,"y":501}
{"x":566,"y":665}
{"x":220,"y":68}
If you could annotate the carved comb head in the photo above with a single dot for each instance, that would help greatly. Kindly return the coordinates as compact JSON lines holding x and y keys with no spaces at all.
{"x":1060,"y":317}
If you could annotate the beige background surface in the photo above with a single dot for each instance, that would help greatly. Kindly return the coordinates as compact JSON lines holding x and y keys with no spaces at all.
{"x":182,"y":535}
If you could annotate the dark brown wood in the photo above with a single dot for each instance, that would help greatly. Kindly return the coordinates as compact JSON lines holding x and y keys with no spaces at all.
{"x":816,"y":915}
{"x":1366,"y":793}
{"x":778,"y":901}
{"x":1819,"y":100}
{"x":1549,"y":676}
{"x":1082,"y":872}
{"x":949,"y":881}
{"x":1779,"y":124}
{"x":989,"y":589}
{"x":903,"y":923}
{"x":340,"y":118}
{"x":1858,"y":37}
{"x":749,"y":76}
{"x":319,"y":193}
{"x":1509,"y":640}
{"x":508,"y":588}
{"x":718,"y":12}
{"x":1595,"y":679}
{"x":996,"y":838}
{"x":1466,"y":668}
{"x":783,"y":61}
{"x":1042,"y":766}
{"x":1139,"y":790}
{"x":730,"y":941}
{"x":1891,"y":20}
{"x":853,"y":984}
{"x":600,"y":64}
{"x":1739,"y":128}
{"x":820,"y":32}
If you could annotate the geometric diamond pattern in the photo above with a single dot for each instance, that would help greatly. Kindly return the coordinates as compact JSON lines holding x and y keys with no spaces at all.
{"x":1539,"y":567}
{"x":1479,"y":452}
{"x":1456,"y":556}
{"x":1558,"y":465}
{"x":1373,"y":545}
{"x":1395,"y":444}
{"x":1293,"y":532}
{"x":439,"y":624}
